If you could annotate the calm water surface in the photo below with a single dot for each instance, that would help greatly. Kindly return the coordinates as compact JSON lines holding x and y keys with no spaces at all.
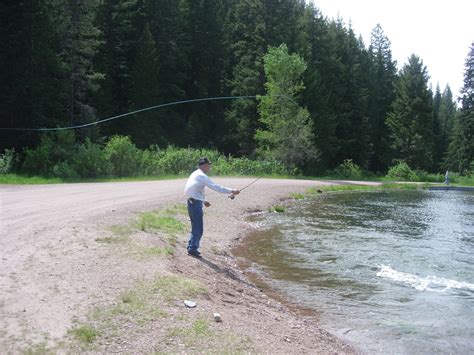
{"x":392,"y":272}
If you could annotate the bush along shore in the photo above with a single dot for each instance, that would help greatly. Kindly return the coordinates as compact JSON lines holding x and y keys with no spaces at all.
{"x":60,"y":158}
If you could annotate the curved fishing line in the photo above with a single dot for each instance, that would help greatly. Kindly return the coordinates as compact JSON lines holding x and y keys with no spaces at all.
{"x":142,"y":110}
{"x":130,"y":113}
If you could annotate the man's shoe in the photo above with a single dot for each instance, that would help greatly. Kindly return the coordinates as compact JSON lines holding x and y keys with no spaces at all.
{"x":194,"y":253}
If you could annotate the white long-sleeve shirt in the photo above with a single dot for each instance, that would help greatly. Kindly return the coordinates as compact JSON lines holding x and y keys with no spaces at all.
{"x":196,"y":183}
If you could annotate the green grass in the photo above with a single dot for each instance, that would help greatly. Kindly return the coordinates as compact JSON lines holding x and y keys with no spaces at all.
{"x":297,"y":196}
{"x":385,"y":186}
{"x":277,"y":208}
{"x":158,"y":251}
{"x":138,"y":305}
{"x":15,"y":179}
{"x":85,"y":334}
{"x":178,"y":288}
{"x":157,"y":220}
{"x":174,"y":210}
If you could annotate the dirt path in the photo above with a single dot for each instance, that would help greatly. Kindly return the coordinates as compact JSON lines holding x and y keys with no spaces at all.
{"x":60,"y":259}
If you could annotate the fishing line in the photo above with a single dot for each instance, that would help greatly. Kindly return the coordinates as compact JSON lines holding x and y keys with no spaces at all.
{"x":139,"y":111}
{"x":131,"y":113}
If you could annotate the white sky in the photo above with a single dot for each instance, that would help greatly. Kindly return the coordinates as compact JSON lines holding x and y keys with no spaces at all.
{"x":440,"y":32}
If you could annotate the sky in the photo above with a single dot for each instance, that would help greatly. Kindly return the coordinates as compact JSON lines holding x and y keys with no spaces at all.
{"x":440,"y":32}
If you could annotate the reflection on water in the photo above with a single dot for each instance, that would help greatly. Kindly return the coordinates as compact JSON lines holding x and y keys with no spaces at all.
{"x":390,"y":271}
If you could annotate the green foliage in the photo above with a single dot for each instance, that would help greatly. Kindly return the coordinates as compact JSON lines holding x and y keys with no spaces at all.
{"x":125,"y":158}
{"x":52,"y":156}
{"x":159,"y":221}
{"x":174,"y":287}
{"x":6,"y":161}
{"x":178,"y":161}
{"x":59,"y":156}
{"x":85,"y":334}
{"x":90,"y":161}
{"x":411,"y":120}
{"x":277,"y":208}
{"x":245,"y":166}
{"x":349,"y":170}
{"x":27,"y":180}
{"x":287,"y":133}
{"x":82,"y":60}
{"x":402,"y":172}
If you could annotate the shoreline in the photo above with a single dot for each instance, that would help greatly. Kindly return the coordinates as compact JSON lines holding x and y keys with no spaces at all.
{"x":63,"y":269}
{"x":322,"y":341}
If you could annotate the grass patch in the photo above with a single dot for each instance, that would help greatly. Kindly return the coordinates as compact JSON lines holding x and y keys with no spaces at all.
{"x":200,"y":335}
{"x":139,"y":306}
{"x":177,"y":287}
{"x":277,"y":208}
{"x":15,"y":179}
{"x":163,"y":221}
{"x":111,"y":240}
{"x":385,"y":186}
{"x":157,"y":220}
{"x":192,"y":335}
{"x":121,"y":230}
{"x":85,"y":334}
{"x":179,"y":209}
{"x":121,"y":235}
{"x":158,"y":251}
{"x":38,"y":349}
{"x":297,"y":196}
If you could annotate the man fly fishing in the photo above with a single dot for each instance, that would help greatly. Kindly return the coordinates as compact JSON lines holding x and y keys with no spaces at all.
{"x":194,"y":191}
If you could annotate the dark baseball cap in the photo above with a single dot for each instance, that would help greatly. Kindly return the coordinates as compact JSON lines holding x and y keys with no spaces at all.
{"x":203,"y":161}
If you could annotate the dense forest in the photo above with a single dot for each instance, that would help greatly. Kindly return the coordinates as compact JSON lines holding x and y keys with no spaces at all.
{"x":72,"y":62}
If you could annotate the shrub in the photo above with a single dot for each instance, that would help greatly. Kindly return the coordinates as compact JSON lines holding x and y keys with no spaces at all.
{"x":124,"y":157}
{"x":348,"y":170}
{"x":245,"y":166}
{"x":47,"y":159}
{"x":91,"y":161}
{"x":6,"y":161}
{"x":64,"y":170}
{"x":402,"y":172}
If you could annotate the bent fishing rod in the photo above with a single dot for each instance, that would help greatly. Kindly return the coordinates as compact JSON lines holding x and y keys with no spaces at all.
{"x":232,"y":196}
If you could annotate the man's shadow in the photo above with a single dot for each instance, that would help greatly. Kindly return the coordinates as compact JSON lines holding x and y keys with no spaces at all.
{"x":228,"y":272}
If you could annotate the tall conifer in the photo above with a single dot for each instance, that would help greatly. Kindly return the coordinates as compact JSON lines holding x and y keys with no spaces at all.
{"x":411,"y":117}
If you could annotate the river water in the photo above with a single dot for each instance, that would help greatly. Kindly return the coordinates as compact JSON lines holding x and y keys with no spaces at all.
{"x":391,"y":272}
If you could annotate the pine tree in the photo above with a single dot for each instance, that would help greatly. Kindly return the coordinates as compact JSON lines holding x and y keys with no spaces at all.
{"x":167,"y":20}
{"x":80,"y":41}
{"x":321,"y":84}
{"x":447,"y":116}
{"x":380,"y":99}
{"x":411,"y":117}
{"x":147,"y":128}
{"x":32,"y":80}
{"x":246,"y":66}
{"x":461,"y":148}
{"x":205,"y":52}
{"x":437,"y":134}
{"x":120,"y":26}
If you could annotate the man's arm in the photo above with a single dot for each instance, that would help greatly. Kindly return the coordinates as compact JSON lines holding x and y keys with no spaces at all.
{"x":216,"y":187}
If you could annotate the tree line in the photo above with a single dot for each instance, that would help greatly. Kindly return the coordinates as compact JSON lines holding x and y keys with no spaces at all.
{"x":71,"y":62}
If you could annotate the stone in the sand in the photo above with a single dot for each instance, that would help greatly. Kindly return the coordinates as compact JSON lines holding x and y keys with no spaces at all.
{"x":217,"y":317}
{"x":190,"y":304}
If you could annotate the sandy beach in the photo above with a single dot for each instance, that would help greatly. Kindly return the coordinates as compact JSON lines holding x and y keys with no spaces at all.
{"x":78,"y":275}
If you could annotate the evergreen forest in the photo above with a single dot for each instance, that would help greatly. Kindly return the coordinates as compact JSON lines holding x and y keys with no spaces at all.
{"x":312,"y":94}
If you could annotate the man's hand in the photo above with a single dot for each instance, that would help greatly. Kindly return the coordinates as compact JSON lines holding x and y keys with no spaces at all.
{"x":207,"y":204}
{"x":235,"y":192}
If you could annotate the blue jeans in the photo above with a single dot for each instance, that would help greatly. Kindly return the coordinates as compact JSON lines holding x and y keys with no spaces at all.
{"x":197,"y":227}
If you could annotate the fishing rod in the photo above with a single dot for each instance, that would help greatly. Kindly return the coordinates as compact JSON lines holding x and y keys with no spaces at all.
{"x":232,"y":196}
